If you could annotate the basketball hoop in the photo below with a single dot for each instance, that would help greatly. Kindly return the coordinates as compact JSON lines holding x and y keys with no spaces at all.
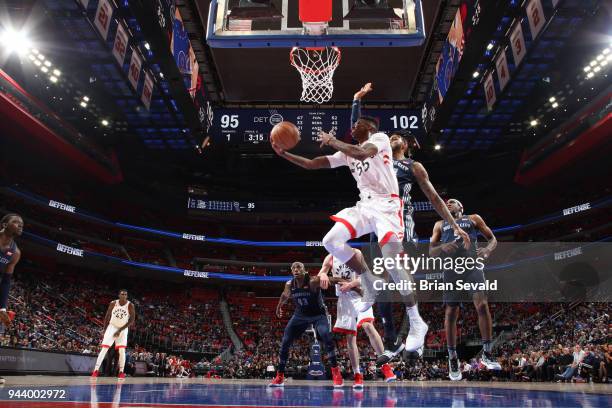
{"x":316,"y":67}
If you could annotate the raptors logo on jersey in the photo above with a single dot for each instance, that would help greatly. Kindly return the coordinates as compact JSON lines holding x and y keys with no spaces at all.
{"x":120,"y":314}
{"x":340,"y":270}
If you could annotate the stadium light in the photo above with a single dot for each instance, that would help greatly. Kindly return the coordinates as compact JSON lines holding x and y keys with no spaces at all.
{"x":57,"y":72}
{"x":37,"y":63}
{"x":475,"y":74}
{"x":555,"y":104}
{"x":40,"y":57}
{"x":597,"y":69}
{"x":104,"y":122}
{"x":490,"y":46}
{"x":15,"y":41}
{"x":534,"y":123}
{"x":437,"y":147}
{"x":587,"y":68}
{"x":552,"y":99}
{"x":593,"y":63}
{"x":86,"y":98}
{"x":147,"y":46}
{"x":44,"y":69}
{"x":590,"y":75}
{"x":53,"y":78}
{"x":599,"y":57}
{"x":83,"y":104}
{"x":47,"y":63}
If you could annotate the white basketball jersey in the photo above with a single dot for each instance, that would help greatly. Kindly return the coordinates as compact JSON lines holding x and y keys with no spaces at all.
{"x":375,"y":175}
{"x":340,"y":270}
{"x":120,"y":314}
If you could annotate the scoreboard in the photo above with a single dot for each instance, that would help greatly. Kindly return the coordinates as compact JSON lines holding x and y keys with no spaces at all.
{"x":253,"y":126}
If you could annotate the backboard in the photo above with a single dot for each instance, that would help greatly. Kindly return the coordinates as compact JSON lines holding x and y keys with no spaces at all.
{"x":279,"y":26}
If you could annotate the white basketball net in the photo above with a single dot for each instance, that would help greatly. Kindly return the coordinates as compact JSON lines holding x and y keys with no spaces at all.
{"x":316,"y":67}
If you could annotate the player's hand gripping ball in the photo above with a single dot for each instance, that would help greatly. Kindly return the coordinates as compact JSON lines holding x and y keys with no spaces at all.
{"x":285,"y":135}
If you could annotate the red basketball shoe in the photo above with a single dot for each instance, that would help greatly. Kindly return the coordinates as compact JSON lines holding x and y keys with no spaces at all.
{"x":337,"y":377}
{"x":388,"y":373}
{"x":358,"y":383}
{"x":278,"y":381}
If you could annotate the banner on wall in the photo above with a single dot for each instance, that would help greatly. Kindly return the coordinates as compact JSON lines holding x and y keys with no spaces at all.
{"x":535,"y":15}
{"x":135,"y":67}
{"x":103,"y":16}
{"x":489,"y":88}
{"x":501,"y":66}
{"x":517,"y":41}
{"x":466,"y":18}
{"x":184,"y":55}
{"x":121,"y":43}
{"x":147,"y":90}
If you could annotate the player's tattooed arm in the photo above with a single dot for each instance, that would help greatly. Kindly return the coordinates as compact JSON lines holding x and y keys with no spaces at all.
{"x":324,"y":279}
{"x":284,"y":298}
{"x":354,"y":151}
{"x":434,"y":198}
{"x":487,"y":233}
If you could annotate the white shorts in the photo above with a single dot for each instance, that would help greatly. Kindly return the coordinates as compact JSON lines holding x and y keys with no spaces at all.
{"x":109,"y":338}
{"x":382,"y":216}
{"x":349,"y":318}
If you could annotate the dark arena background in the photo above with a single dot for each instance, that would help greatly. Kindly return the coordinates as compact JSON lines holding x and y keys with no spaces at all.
{"x":136,"y":165}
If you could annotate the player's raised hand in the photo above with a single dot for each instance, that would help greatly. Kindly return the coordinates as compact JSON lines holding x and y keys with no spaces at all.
{"x":363,"y":91}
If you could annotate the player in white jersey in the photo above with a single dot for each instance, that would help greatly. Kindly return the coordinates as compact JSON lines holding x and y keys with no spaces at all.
{"x":350,"y":318}
{"x":120,"y":315}
{"x":379,"y":210}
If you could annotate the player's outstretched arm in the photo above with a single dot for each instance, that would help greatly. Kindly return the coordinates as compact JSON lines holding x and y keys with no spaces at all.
{"x":356,"y":108}
{"x":284,"y":298}
{"x":487,"y":233}
{"x":354,"y":151}
{"x":320,"y":162}
{"x":434,"y":198}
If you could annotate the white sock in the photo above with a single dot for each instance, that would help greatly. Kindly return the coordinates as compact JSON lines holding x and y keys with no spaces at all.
{"x":121,"y":359}
{"x":101,"y":358}
{"x":357,"y":370}
{"x":413,"y":313}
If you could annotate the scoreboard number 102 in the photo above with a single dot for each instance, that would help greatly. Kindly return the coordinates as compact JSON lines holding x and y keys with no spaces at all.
{"x":404,"y":122}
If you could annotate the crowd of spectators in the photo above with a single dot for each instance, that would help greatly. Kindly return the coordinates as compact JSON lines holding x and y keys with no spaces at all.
{"x":64,"y":312}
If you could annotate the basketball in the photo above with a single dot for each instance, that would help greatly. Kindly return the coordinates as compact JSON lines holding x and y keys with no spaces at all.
{"x":285,"y":135}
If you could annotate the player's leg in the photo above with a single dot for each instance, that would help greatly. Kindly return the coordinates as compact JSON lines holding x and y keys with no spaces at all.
{"x":107,"y":342}
{"x":391,"y":247}
{"x":349,"y":225}
{"x":485,"y":325}
{"x":295,"y":328}
{"x":120,"y":345}
{"x":365,"y":320}
{"x":387,"y":218}
{"x":353,"y":353}
{"x":321,"y":326}
{"x":451,"y":313}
